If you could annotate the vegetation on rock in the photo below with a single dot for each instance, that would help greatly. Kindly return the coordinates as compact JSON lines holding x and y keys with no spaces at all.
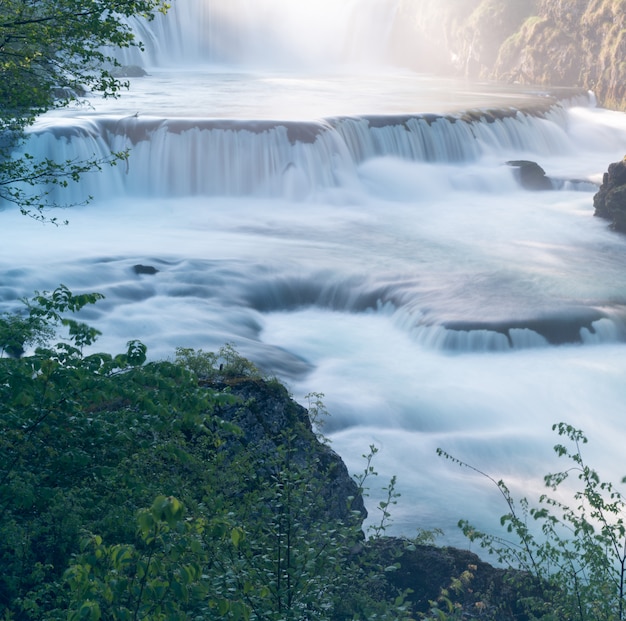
{"x":573,"y":542}
{"x":167,"y":490}
{"x":573,"y":43}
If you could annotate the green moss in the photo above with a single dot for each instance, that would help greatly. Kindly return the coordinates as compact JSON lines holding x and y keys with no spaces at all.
{"x":511,"y":47}
{"x":510,"y":14}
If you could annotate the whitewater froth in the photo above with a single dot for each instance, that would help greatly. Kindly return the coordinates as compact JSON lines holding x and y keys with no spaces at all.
{"x":357,"y":233}
{"x":293,"y":159}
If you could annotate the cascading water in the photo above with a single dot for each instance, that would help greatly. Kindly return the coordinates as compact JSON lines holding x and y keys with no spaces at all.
{"x":274,"y":33}
{"x":357,"y":233}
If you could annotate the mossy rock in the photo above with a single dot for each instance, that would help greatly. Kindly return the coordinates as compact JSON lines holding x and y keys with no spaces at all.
{"x":616,"y":204}
{"x":610,"y":200}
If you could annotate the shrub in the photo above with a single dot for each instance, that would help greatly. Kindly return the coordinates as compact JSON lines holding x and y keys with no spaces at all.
{"x":580,"y":553}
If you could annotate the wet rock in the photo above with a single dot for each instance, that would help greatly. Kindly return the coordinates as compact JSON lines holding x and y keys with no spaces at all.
{"x":129,"y":71}
{"x":482,"y":591}
{"x":145,"y":269}
{"x":266,"y":415}
{"x":530,"y":175}
{"x":610,"y":200}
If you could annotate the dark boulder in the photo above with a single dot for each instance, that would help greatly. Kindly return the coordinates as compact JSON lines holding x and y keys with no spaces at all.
{"x":128,"y":71}
{"x":145,"y":269}
{"x":427,"y":573}
{"x":530,"y":175}
{"x":267,"y":417}
{"x":610,"y":200}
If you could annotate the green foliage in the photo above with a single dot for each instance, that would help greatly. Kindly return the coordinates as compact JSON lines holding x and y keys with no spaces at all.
{"x":287,"y":559}
{"x":295,"y":561}
{"x":576,"y":547}
{"x":291,"y":563}
{"x":234,"y":530}
{"x":85,"y":439}
{"x":161,"y":577}
{"x":30,"y":183}
{"x":51,"y":51}
{"x":317,"y":413}
{"x":226,"y":364}
{"x":445,"y":607}
{"x":377,"y":529}
{"x":51,"y":45}
{"x":41,"y":321}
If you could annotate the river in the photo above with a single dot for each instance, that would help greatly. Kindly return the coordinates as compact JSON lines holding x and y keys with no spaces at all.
{"x":350,"y":228}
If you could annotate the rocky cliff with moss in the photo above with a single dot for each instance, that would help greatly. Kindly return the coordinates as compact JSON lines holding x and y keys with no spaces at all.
{"x":536,"y":42}
{"x":430,"y":580}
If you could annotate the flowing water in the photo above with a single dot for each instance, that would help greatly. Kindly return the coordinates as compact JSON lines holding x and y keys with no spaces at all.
{"x":351,"y":228}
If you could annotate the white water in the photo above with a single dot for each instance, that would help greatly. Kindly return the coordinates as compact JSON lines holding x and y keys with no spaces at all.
{"x":402,"y":272}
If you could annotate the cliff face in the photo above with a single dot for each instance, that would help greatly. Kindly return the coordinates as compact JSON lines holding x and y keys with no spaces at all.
{"x":570,"y":43}
{"x":580,"y":43}
{"x":268,"y":418}
{"x":270,"y":421}
{"x":476,"y":40}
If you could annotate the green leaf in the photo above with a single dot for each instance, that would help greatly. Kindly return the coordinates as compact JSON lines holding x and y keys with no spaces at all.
{"x":236,"y":536}
{"x":89,"y":611}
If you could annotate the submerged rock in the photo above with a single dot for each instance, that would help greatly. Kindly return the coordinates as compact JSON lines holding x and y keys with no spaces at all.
{"x":610,"y":200}
{"x":530,"y":175}
{"x":128,"y":71}
{"x":145,"y":269}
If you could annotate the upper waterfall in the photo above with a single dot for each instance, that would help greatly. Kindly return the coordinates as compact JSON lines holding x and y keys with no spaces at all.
{"x":279,"y":34}
{"x":296,"y":159}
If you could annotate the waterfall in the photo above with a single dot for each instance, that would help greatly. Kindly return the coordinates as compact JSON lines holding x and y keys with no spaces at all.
{"x":274,"y":33}
{"x":185,"y":157}
{"x":352,"y":227}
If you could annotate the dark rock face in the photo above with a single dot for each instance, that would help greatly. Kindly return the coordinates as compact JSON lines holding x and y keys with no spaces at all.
{"x":530,"y":175}
{"x":610,"y":200}
{"x":486,"y":592}
{"x":266,"y":414}
{"x":549,"y":42}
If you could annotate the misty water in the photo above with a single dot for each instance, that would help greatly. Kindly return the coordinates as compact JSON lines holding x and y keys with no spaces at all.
{"x":346,"y":225}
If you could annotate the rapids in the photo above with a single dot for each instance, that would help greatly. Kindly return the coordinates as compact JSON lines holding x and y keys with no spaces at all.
{"x":354,"y":229}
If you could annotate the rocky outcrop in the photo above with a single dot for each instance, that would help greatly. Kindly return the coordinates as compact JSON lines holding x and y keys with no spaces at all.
{"x":480,"y":590}
{"x":269,"y":419}
{"x":530,"y":175}
{"x":546,"y":42}
{"x":610,"y":200}
{"x":267,"y":416}
{"x":478,"y":39}
{"x":570,"y":43}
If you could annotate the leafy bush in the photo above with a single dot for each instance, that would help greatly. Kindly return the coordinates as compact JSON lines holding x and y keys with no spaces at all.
{"x":580,"y":553}
{"x":162,"y":576}
{"x":52,"y":52}
{"x":226,"y":364}
{"x":125,"y":495}
{"x":86,"y":439}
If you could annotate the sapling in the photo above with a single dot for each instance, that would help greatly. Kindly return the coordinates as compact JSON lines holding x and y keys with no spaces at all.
{"x":579,"y":551}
